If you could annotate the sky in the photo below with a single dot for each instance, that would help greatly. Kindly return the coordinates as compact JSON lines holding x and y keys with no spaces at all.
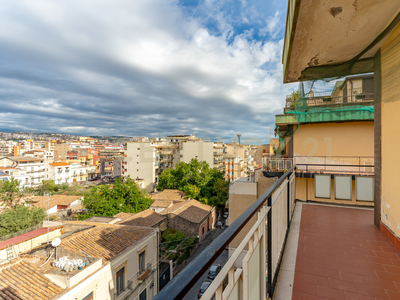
{"x":143,"y":68}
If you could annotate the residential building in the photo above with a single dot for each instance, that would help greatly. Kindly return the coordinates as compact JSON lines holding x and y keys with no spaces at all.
{"x":33,"y":166}
{"x":59,"y":172}
{"x":191,"y":217}
{"x":219,"y":151}
{"x":61,"y":150}
{"x":56,"y":203}
{"x":115,"y":262}
{"x":141,"y":163}
{"x":330,"y":137}
{"x":202,"y":151}
{"x":233,"y":168}
{"x":146,"y":218}
{"x":17,"y":174}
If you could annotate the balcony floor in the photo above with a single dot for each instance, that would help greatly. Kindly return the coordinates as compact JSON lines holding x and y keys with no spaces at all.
{"x":342,"y":255}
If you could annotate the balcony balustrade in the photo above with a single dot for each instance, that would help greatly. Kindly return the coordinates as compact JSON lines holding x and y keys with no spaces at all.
{"x":253,"y":276}
{"x":355,"y":96}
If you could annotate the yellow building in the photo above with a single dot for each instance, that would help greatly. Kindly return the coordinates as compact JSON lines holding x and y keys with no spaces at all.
{"x":355,"y":39}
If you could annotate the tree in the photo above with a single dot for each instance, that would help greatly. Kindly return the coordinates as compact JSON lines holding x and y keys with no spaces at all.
{"x":198,"y":181}
{"x":10,"y":192}
{"x":20,"y":217}
{"x":47,"y":186}
{"x":107,"y":200}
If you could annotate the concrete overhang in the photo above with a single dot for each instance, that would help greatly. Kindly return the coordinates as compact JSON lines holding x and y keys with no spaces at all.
{"x":334,"y":38}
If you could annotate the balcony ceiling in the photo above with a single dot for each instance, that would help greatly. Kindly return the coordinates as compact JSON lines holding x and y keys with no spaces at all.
{"x":335,"y":37}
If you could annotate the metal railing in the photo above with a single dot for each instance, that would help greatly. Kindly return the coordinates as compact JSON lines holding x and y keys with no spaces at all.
{"x":323,"y":164}
{"x":11,"y":235}
{"x":265,"y":241}
{"x":356,"y":95}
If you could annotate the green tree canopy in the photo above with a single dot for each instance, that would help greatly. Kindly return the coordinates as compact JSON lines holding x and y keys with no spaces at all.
{"x":198,"y":181}
{"x":123,"y":196}
{"x":20,"y":217}
{"x":10,"y":192}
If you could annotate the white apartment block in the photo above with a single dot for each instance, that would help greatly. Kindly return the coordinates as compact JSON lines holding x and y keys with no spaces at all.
{"x":33,"y":166}
{"x":141,"y":162}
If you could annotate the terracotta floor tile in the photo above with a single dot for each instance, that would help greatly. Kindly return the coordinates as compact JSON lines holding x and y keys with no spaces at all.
{"x":393,"y":295}
{"x":372,"y":291}
{"x":381,"y":283}
{"x":343,"y":285}
{"x":342,"y":255}
{"x":392,"y":269}
{"x":356,"y":296}
{"x":327,"y":272}
{"x":304,"y":287}
{"x":330,"y":293}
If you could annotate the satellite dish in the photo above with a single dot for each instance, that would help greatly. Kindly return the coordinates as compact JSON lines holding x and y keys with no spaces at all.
{"x":56,"y":242}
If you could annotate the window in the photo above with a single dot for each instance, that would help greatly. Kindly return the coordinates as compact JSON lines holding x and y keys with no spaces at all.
{"x":138,"y":148}
{"x":142,"y":263}
{"x":143,"y":295}
{"x":120,"y":281}
{"x":88,"y":297}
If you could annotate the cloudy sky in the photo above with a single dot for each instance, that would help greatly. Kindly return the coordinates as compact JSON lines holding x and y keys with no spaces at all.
{"x":142,"y":68}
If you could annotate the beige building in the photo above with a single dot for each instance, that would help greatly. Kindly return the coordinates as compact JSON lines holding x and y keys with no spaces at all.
{"x":233,"y":168}
{"x":202,"y":151}
{"x":242,"y":193}
{"x":141,"y":162}
{"x":361,"y":48}
{"x":236,"y":150}
{"x":60,"y":151}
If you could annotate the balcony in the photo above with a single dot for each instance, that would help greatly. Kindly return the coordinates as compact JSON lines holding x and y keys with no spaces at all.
{"x":297,"y":250}
{"x":358,"y":96}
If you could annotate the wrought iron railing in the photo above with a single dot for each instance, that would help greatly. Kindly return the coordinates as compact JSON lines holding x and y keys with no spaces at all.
{"x":260,"y":266}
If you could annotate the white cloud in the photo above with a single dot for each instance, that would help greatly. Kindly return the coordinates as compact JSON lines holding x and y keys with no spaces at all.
{"x":135,"y":68}
{"x":272,"y":24}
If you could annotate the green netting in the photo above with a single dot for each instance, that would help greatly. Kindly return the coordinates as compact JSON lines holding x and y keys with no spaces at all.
{"x":309,"y":106}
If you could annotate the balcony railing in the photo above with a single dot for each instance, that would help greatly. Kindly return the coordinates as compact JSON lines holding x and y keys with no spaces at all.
{"x":355,"y":96}
{"x":255,"y":275}
{"x":360,"y":165}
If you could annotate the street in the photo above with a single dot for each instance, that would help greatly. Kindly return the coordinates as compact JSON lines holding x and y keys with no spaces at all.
{"x":222,"y":259}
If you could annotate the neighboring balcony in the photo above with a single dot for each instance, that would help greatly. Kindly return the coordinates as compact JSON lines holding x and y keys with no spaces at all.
{"x":355,"y":96}
{"x":297,"y":250}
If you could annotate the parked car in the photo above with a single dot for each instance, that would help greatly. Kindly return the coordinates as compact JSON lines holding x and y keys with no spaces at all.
{"x":225,"y":215}
{"x":219,"y":224}
{"x":203,"y":288}
{"x":214,"y":270}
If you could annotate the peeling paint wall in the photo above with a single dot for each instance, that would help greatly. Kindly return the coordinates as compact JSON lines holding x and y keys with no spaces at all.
{"x":390,"y":134}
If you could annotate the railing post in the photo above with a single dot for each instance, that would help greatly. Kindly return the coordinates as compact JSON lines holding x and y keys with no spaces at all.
{"x":288,"y":202}
{"x":269,"y":221}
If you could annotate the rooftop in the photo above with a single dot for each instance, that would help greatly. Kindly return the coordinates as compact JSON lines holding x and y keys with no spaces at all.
{"x":44,"y":202}
{"x":59,"y":164}
{"x":146,"y":218}
{"x":105,"y":241}
{"x":168,"y":194}
{"x":191,"y":210}
{"x":161,"y":203}
{"x":21,"y":280}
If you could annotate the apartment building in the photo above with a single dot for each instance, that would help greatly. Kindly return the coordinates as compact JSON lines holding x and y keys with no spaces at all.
{"x":219,"y":151}
{"x":202,"y":151}
{"x":330,"y":137}
{"x":141,"y":163}
{"x":17,"y":174}
{"x":61,"y":150}
{"x":233,"y":168}
{"x":33,"y":166}
{"x":115,"y":262}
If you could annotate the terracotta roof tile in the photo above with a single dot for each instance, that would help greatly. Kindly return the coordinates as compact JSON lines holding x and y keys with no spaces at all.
{"x":162,"y":203}
{"x":167,"y":194}
{"x":191,"y":210}
{"x":20,"y":280}
{"x":105,"y":241}
{"x":146,"y":218}
{"x":41,"y":201}
{"x":59,"y":164}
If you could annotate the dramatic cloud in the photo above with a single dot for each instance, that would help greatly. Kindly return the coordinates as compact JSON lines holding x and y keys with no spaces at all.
{"x":142,"y":68}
